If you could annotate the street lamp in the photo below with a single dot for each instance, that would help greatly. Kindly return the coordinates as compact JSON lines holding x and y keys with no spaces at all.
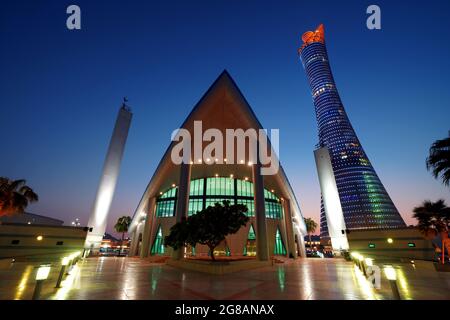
{"x":391,"y":275}
{"x":41,"y":276}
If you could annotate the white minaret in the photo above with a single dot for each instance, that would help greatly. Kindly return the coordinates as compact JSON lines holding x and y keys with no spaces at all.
{"x":108,"y":180}
{"x":331,"y":200}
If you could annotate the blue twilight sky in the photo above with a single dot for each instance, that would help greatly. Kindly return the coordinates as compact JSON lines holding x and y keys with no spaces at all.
{"x":60,"y":90}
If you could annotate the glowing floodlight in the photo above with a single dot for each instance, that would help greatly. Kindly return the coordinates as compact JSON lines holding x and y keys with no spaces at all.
{"x":390,"y":273}
{"x":65,"y":261}
{"x":43,"y":272}
{"x":369,"y":262}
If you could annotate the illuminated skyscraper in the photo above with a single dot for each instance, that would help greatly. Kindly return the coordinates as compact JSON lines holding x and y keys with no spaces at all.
{"x":364,"y":202}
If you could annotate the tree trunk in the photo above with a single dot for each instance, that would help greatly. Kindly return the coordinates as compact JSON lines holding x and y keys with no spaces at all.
{"x":445,"y":245}
{"x":310,"y":243}
{"x":121,"y":244}
{"x":211,"y":249}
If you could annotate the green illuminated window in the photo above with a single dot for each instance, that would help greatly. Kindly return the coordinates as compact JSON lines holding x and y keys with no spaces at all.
{"x":273,"y":210}
{"x":206,"y":192}
{"x":171,"y":193}
{"x":165,"y":208}
{"x":158,"y":244}
{"x":219,"y":186}
{"x":250,"y":247}
{"x":250,"y":206}
{"x":212,"y":201}
{"x":244,"y":188}
{"x":371,"y":245}
{"x":279,"y":246}
{"x":411,"y":245}
{"x":195,"y":205}
{"x":196,"y":187}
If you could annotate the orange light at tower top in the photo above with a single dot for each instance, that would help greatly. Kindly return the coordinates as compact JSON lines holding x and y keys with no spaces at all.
{"x":313,"y":36}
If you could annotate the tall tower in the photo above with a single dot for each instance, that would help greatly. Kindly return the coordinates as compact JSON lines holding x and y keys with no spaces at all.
{"x":364,"y":202}
{"x":108,"y":180}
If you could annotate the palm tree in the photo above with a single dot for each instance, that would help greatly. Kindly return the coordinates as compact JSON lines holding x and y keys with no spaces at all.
{"x":122,"y":225}
{"x":439,"y":160}
{"x":311,"y":227}
{"x":433,"y":219}
{"x":15,"y":196}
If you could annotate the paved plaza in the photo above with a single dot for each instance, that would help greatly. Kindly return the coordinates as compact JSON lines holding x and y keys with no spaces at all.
{"x":303,"y":279}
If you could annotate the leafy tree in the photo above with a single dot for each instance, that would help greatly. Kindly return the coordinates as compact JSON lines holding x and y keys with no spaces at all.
{"x":311,"y":227}
{"x":208,"y":227}
{"x":122,"y":226}
{"x":15,"y":196}
{"x":433,"y":219}
{"x":439,"y":160}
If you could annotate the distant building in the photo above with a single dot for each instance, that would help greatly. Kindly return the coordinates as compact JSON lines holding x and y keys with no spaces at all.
{"x":31,"y":218}
{"x":315,"y":241}
{"x":26,"y":235}
{"x":110,"y":245}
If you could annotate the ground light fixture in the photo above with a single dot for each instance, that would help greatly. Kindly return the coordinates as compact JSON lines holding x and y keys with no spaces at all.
{"x":39,"y":238}
{"x":357,"y":258}
{"x":391,"y":275}
{"x":64,"y":263}
{"x":390,"y":240}
{"x":72,"y":261}
{"x":41,"y":275}
{"x":362,"y":265}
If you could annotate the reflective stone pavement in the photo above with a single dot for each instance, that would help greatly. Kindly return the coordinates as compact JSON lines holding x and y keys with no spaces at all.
{"x":132,"y":278}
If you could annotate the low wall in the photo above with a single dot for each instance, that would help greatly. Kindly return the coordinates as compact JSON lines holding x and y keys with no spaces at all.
{"x":407,"y":243}
{"x":20,"y":241}
{"x":218,"y":267}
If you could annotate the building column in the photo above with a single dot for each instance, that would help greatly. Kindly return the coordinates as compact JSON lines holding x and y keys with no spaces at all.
{"x":289,"y":228}
{"x":262,"y":248}
{"x":182,"y":201}
{"x":283,"y":229}
{"x":301,"y":246}
{"x":147,"y":228}
{"x":133,"y":244}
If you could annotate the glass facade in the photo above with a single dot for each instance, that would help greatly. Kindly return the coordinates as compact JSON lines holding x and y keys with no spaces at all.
{"x":158,"y":244}
{"x":279,"y":248}
{"x":207,"y":191}
{"x":365,"y":202}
